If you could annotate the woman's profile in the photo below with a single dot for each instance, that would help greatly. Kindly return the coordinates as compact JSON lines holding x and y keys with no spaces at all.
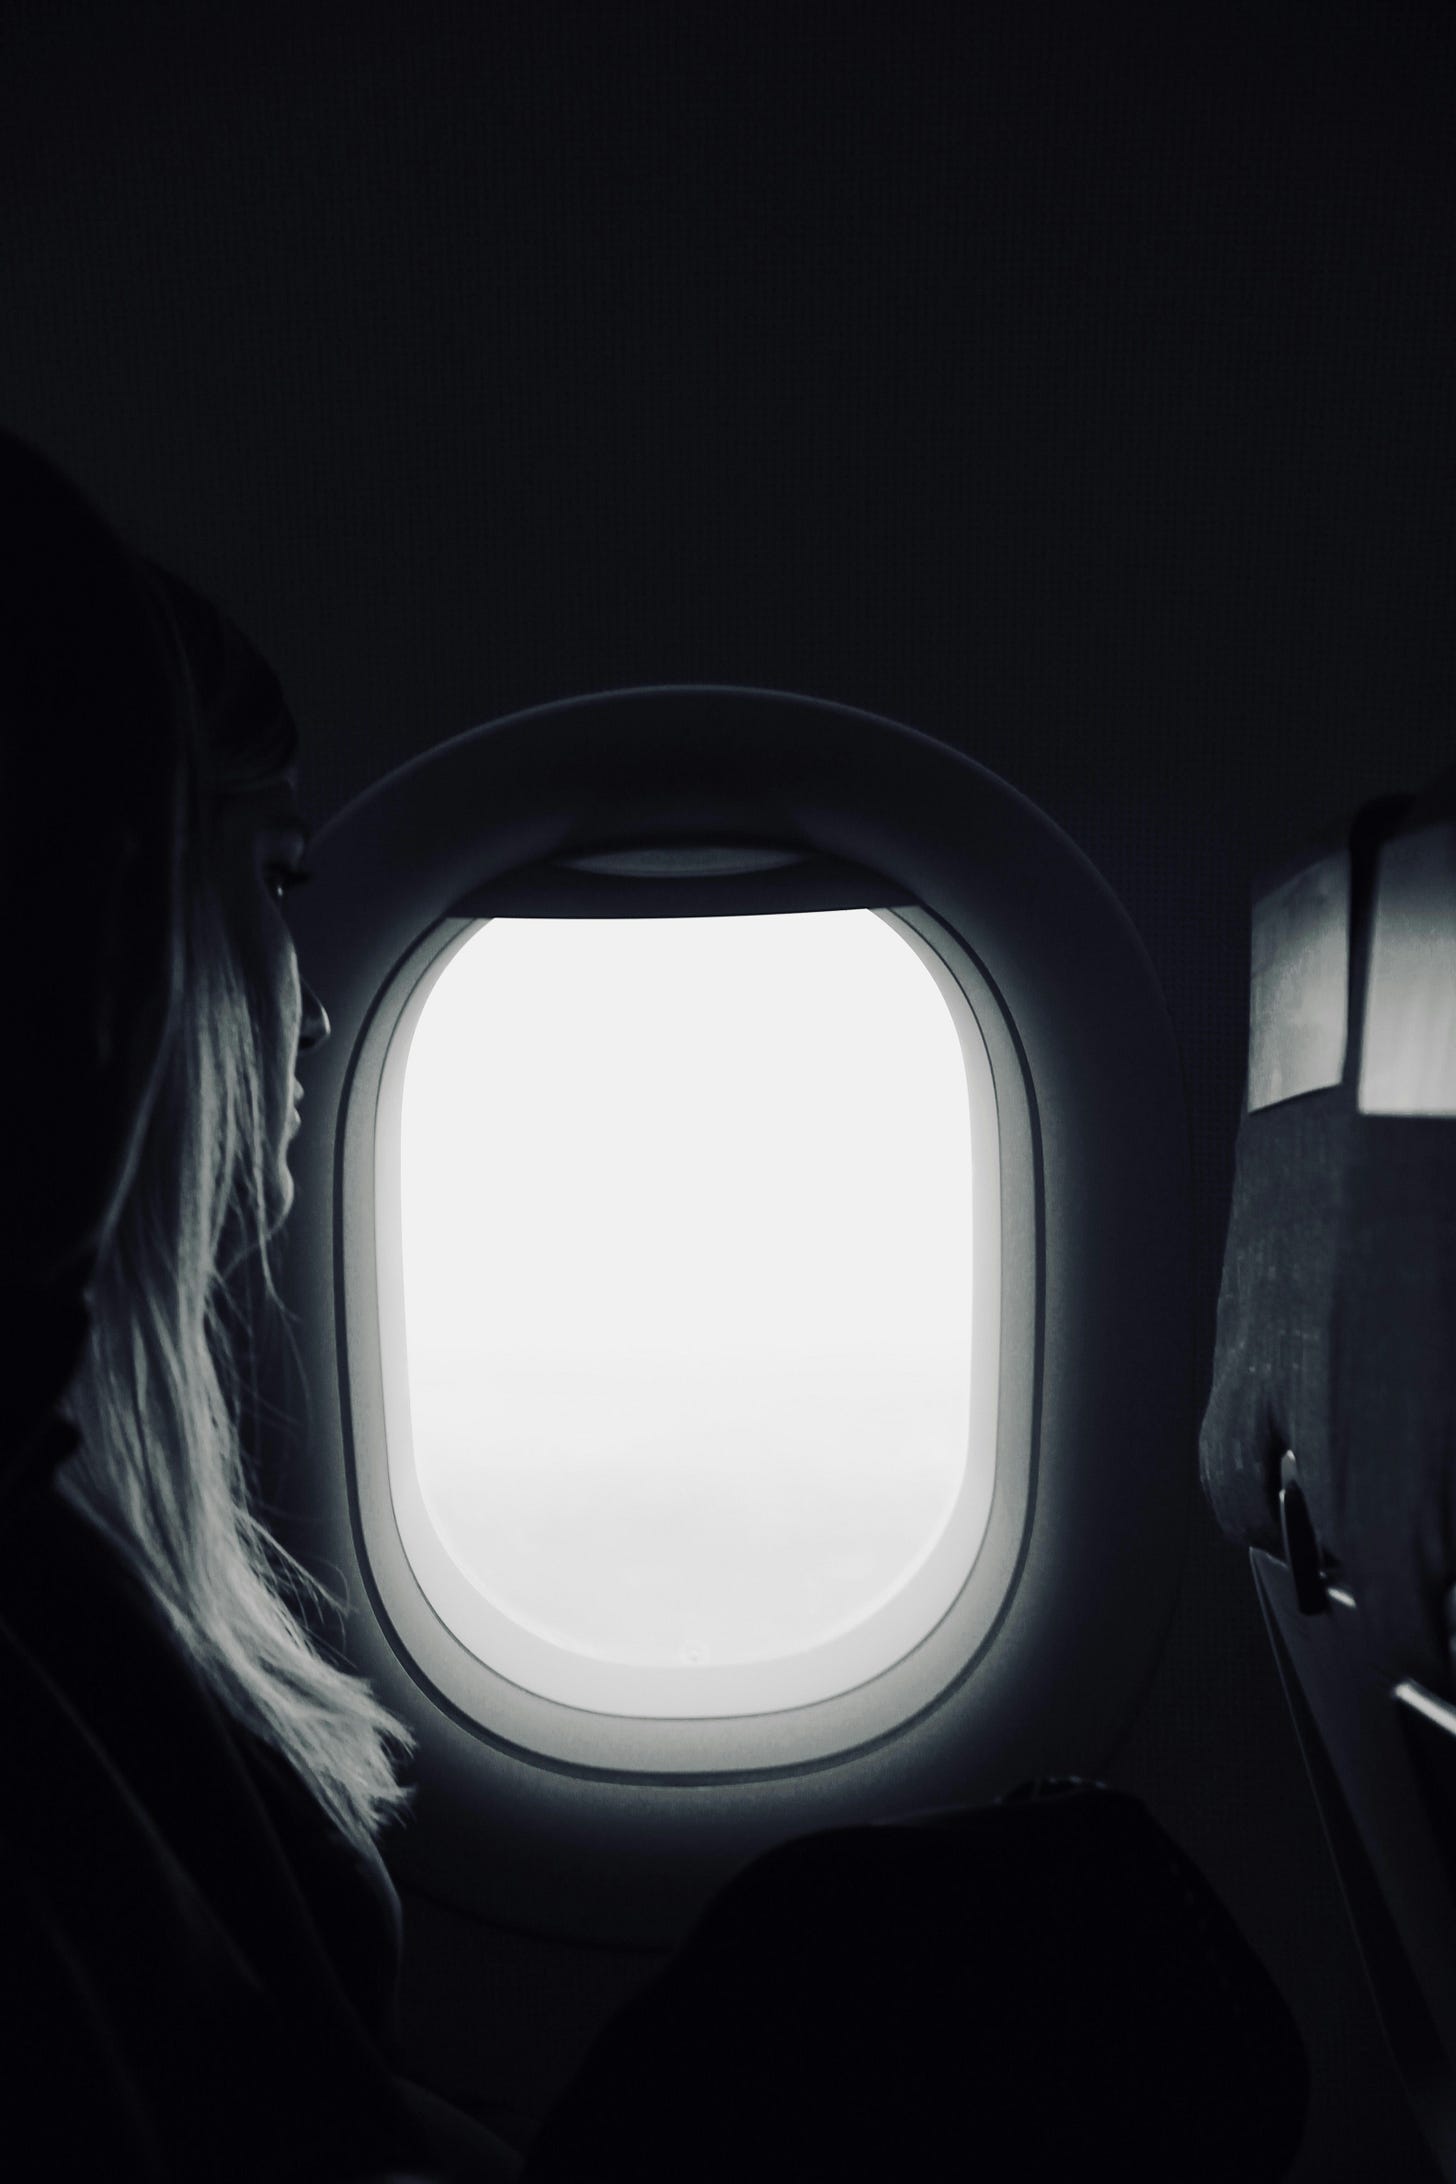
{"x":160,"y":1468}
{"x":199,"y":1937}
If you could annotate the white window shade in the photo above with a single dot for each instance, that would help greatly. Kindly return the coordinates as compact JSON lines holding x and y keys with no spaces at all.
{"x":686,"y":1418}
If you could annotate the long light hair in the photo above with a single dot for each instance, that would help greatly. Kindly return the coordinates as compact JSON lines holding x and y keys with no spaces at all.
{"x":161,"y":1468}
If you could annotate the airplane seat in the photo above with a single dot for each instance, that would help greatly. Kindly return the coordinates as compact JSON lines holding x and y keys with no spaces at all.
{"x":1328,"y":1442}
{"x":1049,"y":1974}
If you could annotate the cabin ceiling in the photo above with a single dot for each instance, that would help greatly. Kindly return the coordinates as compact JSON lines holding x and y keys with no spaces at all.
{"x":1073,"y":383}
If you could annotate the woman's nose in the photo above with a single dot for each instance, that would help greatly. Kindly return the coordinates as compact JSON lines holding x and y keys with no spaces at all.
{"x":313,"y":1026}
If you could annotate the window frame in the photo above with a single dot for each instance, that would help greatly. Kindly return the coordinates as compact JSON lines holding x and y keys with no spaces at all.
{"x":555,"y":793}
{"x":625,"y":1745}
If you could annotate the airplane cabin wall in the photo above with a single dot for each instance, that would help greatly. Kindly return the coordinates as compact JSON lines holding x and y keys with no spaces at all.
{"x":1073,"y":386}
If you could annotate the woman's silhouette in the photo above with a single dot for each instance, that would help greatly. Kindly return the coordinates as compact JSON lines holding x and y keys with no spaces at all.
{"x":198,"y":1940}
{"x":160,"y":1469}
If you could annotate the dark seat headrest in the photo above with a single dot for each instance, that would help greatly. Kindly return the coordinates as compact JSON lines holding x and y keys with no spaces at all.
{"x":1025,"y":1989}
{"x":1338,"y":1299}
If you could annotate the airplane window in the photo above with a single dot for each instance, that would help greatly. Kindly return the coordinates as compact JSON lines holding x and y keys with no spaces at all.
{"x":685,"y":1216}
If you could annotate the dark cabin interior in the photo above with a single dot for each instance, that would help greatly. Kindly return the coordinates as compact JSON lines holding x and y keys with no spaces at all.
{"x":1071,"y":384}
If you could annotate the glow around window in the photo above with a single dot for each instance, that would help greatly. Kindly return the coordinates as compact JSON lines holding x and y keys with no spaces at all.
{"x":685,"y":1218}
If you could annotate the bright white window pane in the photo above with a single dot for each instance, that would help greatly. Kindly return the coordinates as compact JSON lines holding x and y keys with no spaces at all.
{"x":686,"y":1223}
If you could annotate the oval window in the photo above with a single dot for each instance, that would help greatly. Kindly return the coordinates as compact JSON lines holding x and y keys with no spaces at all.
{"x":686,"y":1221}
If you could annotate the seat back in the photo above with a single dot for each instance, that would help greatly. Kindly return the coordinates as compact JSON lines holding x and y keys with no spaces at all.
{"x":1329,"y":1442}
{"x":1381,"y":1758}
